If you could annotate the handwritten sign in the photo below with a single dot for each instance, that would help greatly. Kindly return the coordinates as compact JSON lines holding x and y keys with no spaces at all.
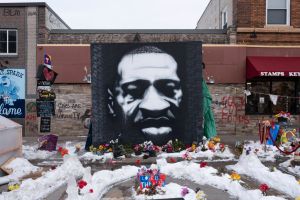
{"x":45,"y":126}
{"x":45,"y":108}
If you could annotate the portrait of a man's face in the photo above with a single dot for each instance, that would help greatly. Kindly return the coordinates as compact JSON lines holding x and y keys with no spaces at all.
{"x":145,"y":97}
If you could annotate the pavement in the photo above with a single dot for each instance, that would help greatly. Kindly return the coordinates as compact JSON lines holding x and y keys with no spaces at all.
{"x":124,"y":190}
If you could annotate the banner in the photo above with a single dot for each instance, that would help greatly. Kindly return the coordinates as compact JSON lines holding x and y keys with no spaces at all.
{"x":12,"y":93}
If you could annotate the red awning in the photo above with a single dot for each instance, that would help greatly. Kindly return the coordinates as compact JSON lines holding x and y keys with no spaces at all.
{"x":258,"y":66}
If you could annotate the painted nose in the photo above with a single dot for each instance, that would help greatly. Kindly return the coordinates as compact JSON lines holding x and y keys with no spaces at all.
{"x":153,"y":101}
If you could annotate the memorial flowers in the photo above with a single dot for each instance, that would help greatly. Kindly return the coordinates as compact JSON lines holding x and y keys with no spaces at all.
{"x":264,"y":188}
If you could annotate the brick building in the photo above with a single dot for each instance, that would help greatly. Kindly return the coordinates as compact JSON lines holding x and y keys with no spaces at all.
{"x":262,"y":22}
{"x":39,"y":31}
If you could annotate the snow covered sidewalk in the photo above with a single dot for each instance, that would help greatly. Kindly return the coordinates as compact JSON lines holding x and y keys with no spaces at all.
{"x":251,"y":166}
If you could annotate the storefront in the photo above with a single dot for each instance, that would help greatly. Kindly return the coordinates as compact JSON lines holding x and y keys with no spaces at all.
{"x":274,"y":85}
{"x":229,"y":67}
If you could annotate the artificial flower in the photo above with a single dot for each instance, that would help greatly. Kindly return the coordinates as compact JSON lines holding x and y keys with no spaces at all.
{"x":184,"y":191}
{"x":200,"y":195}
{"x":235,"y":176}
{"x":264,"y":188}
{"x":203,"y":164}
{"x":138,"y":162}
{"x":81,"y":184}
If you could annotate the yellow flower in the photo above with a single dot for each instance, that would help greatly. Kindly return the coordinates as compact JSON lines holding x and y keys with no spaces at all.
{"x":299,"y":181}
{"x":194,"y":147}
{"x":235,"y":176}
{"x":216,"y":139}
{"x":101,"y":147}
{"x":297,"y":198}
{"x":13,"y":187}
{"x":200,"y":195}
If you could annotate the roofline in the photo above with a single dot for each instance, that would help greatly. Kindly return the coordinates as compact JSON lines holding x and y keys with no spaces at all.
{"x":140,"y":31}
{"x":203,"y":12}
{"x":37,"y":4}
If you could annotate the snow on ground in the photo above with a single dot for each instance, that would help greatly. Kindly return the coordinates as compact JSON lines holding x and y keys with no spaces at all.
{"x":100,"y":182}
{"x":41,"y":187}
{"x":251,"y":166}
{"x":207,"y":176}
{"x":265,"y":154}
{"x":20,"y":167}
{"x":226,"y":154}
{"x":89,"y":156}
{"x":172,"y":190}
{"x":32,"y":153}
{"x":289,"y":167}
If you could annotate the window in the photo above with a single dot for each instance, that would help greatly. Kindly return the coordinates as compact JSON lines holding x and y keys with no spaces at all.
{"x":224,"y":19}
{"x":278,"y":12}
{"x":8,"y":42}
{"x":259,"y":101}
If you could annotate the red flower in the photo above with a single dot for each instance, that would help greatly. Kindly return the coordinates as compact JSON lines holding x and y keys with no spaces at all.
{"x":81,"y":184}
{"x":137,"y":162}
{"x":91,"y":190}
{"x":264,"y":187}
{"x":60,"y":149}
{"x":172,"y":160}
{"x":203,"y":164}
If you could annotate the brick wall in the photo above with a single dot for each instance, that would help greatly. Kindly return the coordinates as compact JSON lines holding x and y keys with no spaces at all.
{"x":229,"y":110}
{"x":269,"y":38}
{"x":72,"y":101}
{"x":295,"y":10}
{"x":85,"y":38}
{"x":14,"y":18}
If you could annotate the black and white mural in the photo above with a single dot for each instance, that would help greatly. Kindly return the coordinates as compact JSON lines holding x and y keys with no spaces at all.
{"x":147,"y":91}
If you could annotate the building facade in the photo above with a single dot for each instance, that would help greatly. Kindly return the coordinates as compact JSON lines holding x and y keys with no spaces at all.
{"x":255,"y":22}
{"x":38,"y":31}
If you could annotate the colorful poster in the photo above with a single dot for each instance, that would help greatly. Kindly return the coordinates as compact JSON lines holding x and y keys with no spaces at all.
{"x":12,"y":93}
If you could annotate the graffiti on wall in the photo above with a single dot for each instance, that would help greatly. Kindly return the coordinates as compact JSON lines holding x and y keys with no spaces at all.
{"x":31,"y":124}
{"x":71,"y":110}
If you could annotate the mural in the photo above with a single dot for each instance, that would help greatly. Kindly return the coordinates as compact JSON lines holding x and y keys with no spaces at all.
{"x":12,"y":93}
{"x":149,"y":92}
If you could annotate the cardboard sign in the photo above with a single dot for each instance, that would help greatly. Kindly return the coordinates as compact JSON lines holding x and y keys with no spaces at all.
{"x":45,"y":108}
{"x":45,"y":126}
{"x":148,"y":180}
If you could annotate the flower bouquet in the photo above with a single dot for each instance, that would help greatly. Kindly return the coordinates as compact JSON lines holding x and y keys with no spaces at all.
{"x":149,"y":181}
{"x":138,"y":149}
{"x":151,"y":149}
{"x":283,"y":116}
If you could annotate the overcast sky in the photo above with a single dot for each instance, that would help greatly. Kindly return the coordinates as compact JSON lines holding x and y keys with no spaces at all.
{"x":127,"y":14}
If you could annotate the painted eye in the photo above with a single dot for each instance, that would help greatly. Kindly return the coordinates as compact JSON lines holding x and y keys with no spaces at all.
{"x":167,"y":87}
{"x":135,"y":89}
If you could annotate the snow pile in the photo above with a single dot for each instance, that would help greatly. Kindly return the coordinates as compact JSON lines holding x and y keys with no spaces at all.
{"x":172,"y":190}
{"x":100,"y":182}
{"x":290,"y":168}
{"x":251,"y":166}
{"x":48,"y":183}
{"x":20,"y":167}
{"x":207,"y":176}
{"x":32,"y":153}
{"x":89,"y":156}
{"x":265,"y":154}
